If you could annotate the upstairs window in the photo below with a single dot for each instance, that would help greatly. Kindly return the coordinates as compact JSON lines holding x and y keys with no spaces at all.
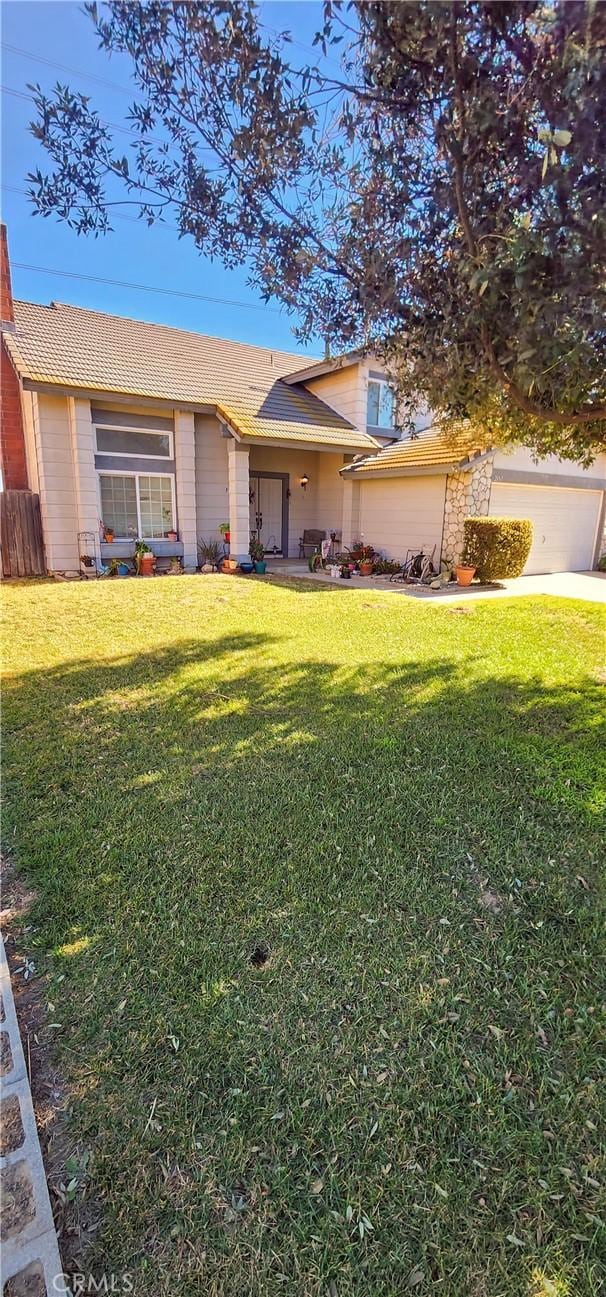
{"x":381,"y":405}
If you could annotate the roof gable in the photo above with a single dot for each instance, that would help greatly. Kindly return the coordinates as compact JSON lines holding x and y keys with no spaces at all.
{"x":70,"y":347}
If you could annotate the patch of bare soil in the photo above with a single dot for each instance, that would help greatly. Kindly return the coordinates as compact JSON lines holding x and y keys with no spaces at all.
{"x":490,"y":901}
{"x":76,"y":1217}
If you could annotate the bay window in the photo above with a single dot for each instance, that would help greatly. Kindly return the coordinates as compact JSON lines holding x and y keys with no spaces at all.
{"x":137,"y":504}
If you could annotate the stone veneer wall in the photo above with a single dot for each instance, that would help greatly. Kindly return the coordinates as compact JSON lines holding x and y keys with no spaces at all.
{"x":467,"y":495}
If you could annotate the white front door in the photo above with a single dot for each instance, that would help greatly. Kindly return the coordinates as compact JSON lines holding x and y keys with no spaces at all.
{"x":266,"y":511}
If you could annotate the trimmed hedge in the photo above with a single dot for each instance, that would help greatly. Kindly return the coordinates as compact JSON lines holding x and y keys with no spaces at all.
{"x":497,"y":547}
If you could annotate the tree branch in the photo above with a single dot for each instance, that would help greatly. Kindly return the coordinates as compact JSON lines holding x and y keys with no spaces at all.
{"x":584,"y":414}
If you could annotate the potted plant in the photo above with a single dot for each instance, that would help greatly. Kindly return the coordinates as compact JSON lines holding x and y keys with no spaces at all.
{"x":145,"y":559}
{"x":210,"y":554}
{"x":117,"y":567}
{"x":464,"y":574}
{"x":229,"y":565}
{"x":257,"y":553}
{"x":364,"y":557}
{"x":172,"y":534}
{"x":108,"y":535}
{"x":174,"y":566}
{"x":223,"y":528}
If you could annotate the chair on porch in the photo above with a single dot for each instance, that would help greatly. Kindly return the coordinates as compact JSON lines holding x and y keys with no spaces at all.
{"x":310,"y":542}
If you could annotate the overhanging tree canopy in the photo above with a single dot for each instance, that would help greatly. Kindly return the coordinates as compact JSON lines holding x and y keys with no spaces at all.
{"x":442,"y":198}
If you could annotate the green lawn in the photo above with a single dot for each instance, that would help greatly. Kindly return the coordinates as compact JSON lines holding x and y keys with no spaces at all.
{"x":399,"y":804}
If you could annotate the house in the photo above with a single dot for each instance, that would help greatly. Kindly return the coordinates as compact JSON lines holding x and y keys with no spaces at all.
{"x":419,"y":491}
{"x":152,"y":429}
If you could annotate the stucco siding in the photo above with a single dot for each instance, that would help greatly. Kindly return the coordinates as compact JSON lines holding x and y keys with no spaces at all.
{"x":397,"y":514}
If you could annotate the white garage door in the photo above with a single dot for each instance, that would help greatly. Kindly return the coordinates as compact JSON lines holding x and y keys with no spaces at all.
{"x":565,"y":524}
{"x":400,"y":513}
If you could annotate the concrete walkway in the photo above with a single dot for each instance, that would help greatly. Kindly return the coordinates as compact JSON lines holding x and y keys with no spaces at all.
{"x":31,"y":1266}
{"x":590,"y":586}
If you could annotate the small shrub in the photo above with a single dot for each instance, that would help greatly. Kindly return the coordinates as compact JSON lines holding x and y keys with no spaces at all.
{"x":386,"y":566}
{"x":602,"y":564}
{"x":497,"y":547}
{"x":210,"y":551}
{"x":256,"y":549}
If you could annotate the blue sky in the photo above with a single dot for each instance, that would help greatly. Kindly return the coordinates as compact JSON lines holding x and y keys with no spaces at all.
{"x":60,"y":34}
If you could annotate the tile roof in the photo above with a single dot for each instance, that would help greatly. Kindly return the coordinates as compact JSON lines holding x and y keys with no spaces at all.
{"x":68,"y":346}
{"x":432,"y":448}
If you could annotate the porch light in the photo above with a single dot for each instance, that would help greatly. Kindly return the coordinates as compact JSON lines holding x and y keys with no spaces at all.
{"x":304,"y":480}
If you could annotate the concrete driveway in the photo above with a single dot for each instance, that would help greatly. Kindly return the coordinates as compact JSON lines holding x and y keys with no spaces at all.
{"x":566,"y":585}
{"x":590,"y":586}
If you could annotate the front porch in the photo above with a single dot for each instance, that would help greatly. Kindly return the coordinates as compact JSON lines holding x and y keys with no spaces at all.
{"x":279,"y":493}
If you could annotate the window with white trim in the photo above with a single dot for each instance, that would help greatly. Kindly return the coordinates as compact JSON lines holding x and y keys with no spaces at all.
{"x":381,"y":404}
{"x":137,"y":504}
{"x":133,"y":441}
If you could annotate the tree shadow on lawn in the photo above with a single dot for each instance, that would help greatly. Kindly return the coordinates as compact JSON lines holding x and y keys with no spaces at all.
{"x":179,"y":809}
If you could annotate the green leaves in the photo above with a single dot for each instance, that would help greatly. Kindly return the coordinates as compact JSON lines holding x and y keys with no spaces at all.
{"x":405,"y":201}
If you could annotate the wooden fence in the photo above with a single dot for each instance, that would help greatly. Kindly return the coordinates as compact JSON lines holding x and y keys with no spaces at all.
{"x":21,"y":534}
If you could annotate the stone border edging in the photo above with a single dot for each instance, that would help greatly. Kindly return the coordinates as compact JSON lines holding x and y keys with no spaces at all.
{"x":30,"y":1253}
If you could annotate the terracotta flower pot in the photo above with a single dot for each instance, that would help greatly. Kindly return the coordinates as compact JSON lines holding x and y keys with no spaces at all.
{"x":171,"y":535}
{"x":464,"y":574}
{"x":147,"y":562}
{"x":365,"y":569}
{"x":229,"y":565}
